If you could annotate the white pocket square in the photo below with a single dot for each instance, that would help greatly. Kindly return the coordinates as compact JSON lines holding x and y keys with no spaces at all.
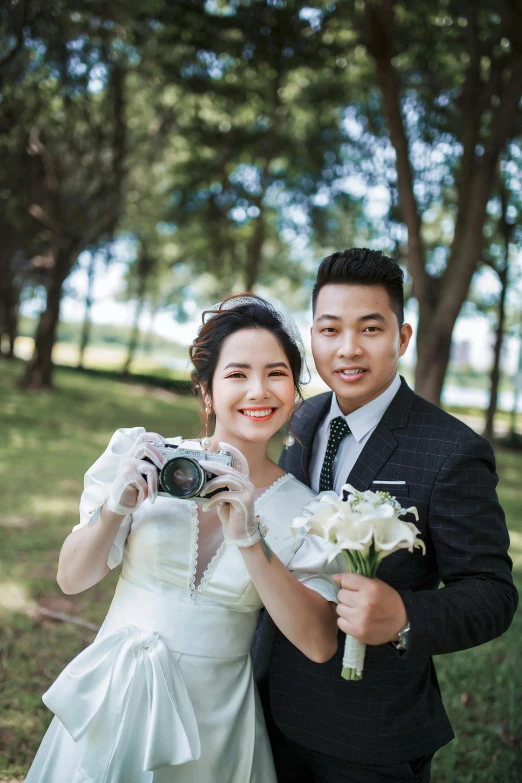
{"x":395,"y":483}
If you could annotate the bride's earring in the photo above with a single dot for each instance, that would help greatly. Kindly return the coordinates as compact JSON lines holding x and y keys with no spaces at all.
{"x":288,"y":441}
{"x":206,"y":442}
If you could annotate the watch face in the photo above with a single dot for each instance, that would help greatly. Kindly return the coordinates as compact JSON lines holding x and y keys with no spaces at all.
{"x":405,"y":640}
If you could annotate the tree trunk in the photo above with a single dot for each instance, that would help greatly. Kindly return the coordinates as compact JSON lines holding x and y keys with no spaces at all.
{"x":39,"y":369}
{"x":516,"y":394}
{"x":9,"y":303}
{"x":379,"y":35}
{"x":448,"y":293}
{"x":443,"y":300}
{"x":150,"y":336}
{"x":8,"y":328}
{"x":489,"y":429}
{"x":255,"y":250}
{"x":135,"y":335}
{"x":433,"y":354}
{"x":12,"y":326}
{"x":440,"y":300}
{"x":145,"y":267}
{"x":86,"y":328}
{"x":506,"y":230}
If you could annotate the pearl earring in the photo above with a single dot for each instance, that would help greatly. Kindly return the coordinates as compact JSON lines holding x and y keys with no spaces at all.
{"x":206,"y":442}
{"x":288,"y":441}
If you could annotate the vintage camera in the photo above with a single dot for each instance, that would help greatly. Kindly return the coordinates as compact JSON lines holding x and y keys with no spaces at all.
{"x":184,"y":474}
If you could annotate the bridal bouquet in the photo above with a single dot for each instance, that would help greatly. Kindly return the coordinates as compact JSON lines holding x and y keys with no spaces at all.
{"x":364,"y":528}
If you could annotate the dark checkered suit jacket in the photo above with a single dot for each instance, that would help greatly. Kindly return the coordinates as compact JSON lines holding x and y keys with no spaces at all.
{"x":396,"y":712}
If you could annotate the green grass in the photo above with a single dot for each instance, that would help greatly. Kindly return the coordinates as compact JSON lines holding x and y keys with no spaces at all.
{"x":48,"y":441}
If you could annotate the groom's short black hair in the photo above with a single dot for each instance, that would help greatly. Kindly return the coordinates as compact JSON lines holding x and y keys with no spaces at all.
{"x":361,"y":266}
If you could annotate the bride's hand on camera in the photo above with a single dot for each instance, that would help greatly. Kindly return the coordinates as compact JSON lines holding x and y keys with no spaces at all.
{"x":137,"y":479}
{"x":235,"y":507}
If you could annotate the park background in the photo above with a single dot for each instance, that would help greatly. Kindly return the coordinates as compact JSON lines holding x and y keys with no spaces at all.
{"x":156,"y":156}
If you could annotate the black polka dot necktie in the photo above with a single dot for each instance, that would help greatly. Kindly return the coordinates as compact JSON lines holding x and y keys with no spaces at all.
{"x":339,"y":429}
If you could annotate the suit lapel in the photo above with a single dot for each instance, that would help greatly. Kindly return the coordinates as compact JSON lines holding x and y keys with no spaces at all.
{"x":381,"y":445}
{"x":304,"y":425}
{"x":382,"y":442}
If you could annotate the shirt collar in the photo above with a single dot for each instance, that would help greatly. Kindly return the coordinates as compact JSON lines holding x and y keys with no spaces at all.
{"x":368,"y":416}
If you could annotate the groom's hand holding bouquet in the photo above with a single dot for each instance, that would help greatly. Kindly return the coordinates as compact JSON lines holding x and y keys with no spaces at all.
{"x":369,"y":609}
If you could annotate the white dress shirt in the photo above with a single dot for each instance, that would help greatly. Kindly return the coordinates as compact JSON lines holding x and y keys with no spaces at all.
{"x":362,"y":423}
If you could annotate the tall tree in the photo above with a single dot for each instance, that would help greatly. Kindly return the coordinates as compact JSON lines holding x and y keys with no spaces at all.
{"x":144,"y":270}
{"x":91,"y":271}
{"x":65,"y":198}
{"x":21,"y":236}
{"x":261,"y":139}
{"x":501,"y":266}
{"x":514,"y":438}
{"x":76,"y":137}
{"x":450,"y":83}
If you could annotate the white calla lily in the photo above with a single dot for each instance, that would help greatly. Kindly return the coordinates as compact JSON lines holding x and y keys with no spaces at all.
{"x":391,"y":535}
{"x":319,"y":524}
{"x":354,"y":535}
{"x":319,"y":515}
{"x":417,"y":542}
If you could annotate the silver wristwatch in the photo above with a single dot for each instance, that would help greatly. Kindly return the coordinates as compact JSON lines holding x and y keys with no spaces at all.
{"x":404,"y":640}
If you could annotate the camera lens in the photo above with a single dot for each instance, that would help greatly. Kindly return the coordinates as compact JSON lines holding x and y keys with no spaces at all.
{"x":182,"y":477}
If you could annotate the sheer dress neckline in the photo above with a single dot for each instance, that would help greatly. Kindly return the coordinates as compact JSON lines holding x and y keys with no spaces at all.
{"x":198,"y":577}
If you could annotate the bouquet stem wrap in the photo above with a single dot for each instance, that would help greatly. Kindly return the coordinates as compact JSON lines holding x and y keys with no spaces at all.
{"x":353,"y":658}
{"x":354,"y":650}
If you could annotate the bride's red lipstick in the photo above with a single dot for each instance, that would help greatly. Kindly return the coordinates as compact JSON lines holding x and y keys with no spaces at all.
{"x":258,"y":418}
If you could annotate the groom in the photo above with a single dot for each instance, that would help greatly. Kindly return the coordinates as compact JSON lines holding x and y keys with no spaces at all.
{"x":372,"y":431}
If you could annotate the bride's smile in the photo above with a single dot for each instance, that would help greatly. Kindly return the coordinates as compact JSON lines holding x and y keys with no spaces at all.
{"x":258,"y":413}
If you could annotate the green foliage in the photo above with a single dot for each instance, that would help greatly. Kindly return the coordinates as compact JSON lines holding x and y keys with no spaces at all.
{"x":253,"y":145}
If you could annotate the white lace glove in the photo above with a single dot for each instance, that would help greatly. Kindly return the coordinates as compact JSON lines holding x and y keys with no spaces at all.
{"x":235,"y":508}
{"x":136,"y":479}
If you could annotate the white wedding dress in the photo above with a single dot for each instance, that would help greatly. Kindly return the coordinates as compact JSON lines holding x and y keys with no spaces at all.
{"x":165,"y":694}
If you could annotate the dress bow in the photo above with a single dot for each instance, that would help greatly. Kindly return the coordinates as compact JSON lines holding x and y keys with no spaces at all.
{"x":127,"y":679}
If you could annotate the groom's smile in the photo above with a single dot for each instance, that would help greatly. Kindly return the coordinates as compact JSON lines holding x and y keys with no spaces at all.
{"x":350,"y":374}
{"x":357,"y":341}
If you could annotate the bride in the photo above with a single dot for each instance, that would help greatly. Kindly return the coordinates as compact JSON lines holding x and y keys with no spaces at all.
{"x":165,"y":693}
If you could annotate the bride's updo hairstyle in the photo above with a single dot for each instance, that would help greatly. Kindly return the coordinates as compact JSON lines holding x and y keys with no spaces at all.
{"x":220,"y":323}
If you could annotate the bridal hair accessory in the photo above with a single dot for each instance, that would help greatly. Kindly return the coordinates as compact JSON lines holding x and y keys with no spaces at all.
{"x":278,"y":310}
